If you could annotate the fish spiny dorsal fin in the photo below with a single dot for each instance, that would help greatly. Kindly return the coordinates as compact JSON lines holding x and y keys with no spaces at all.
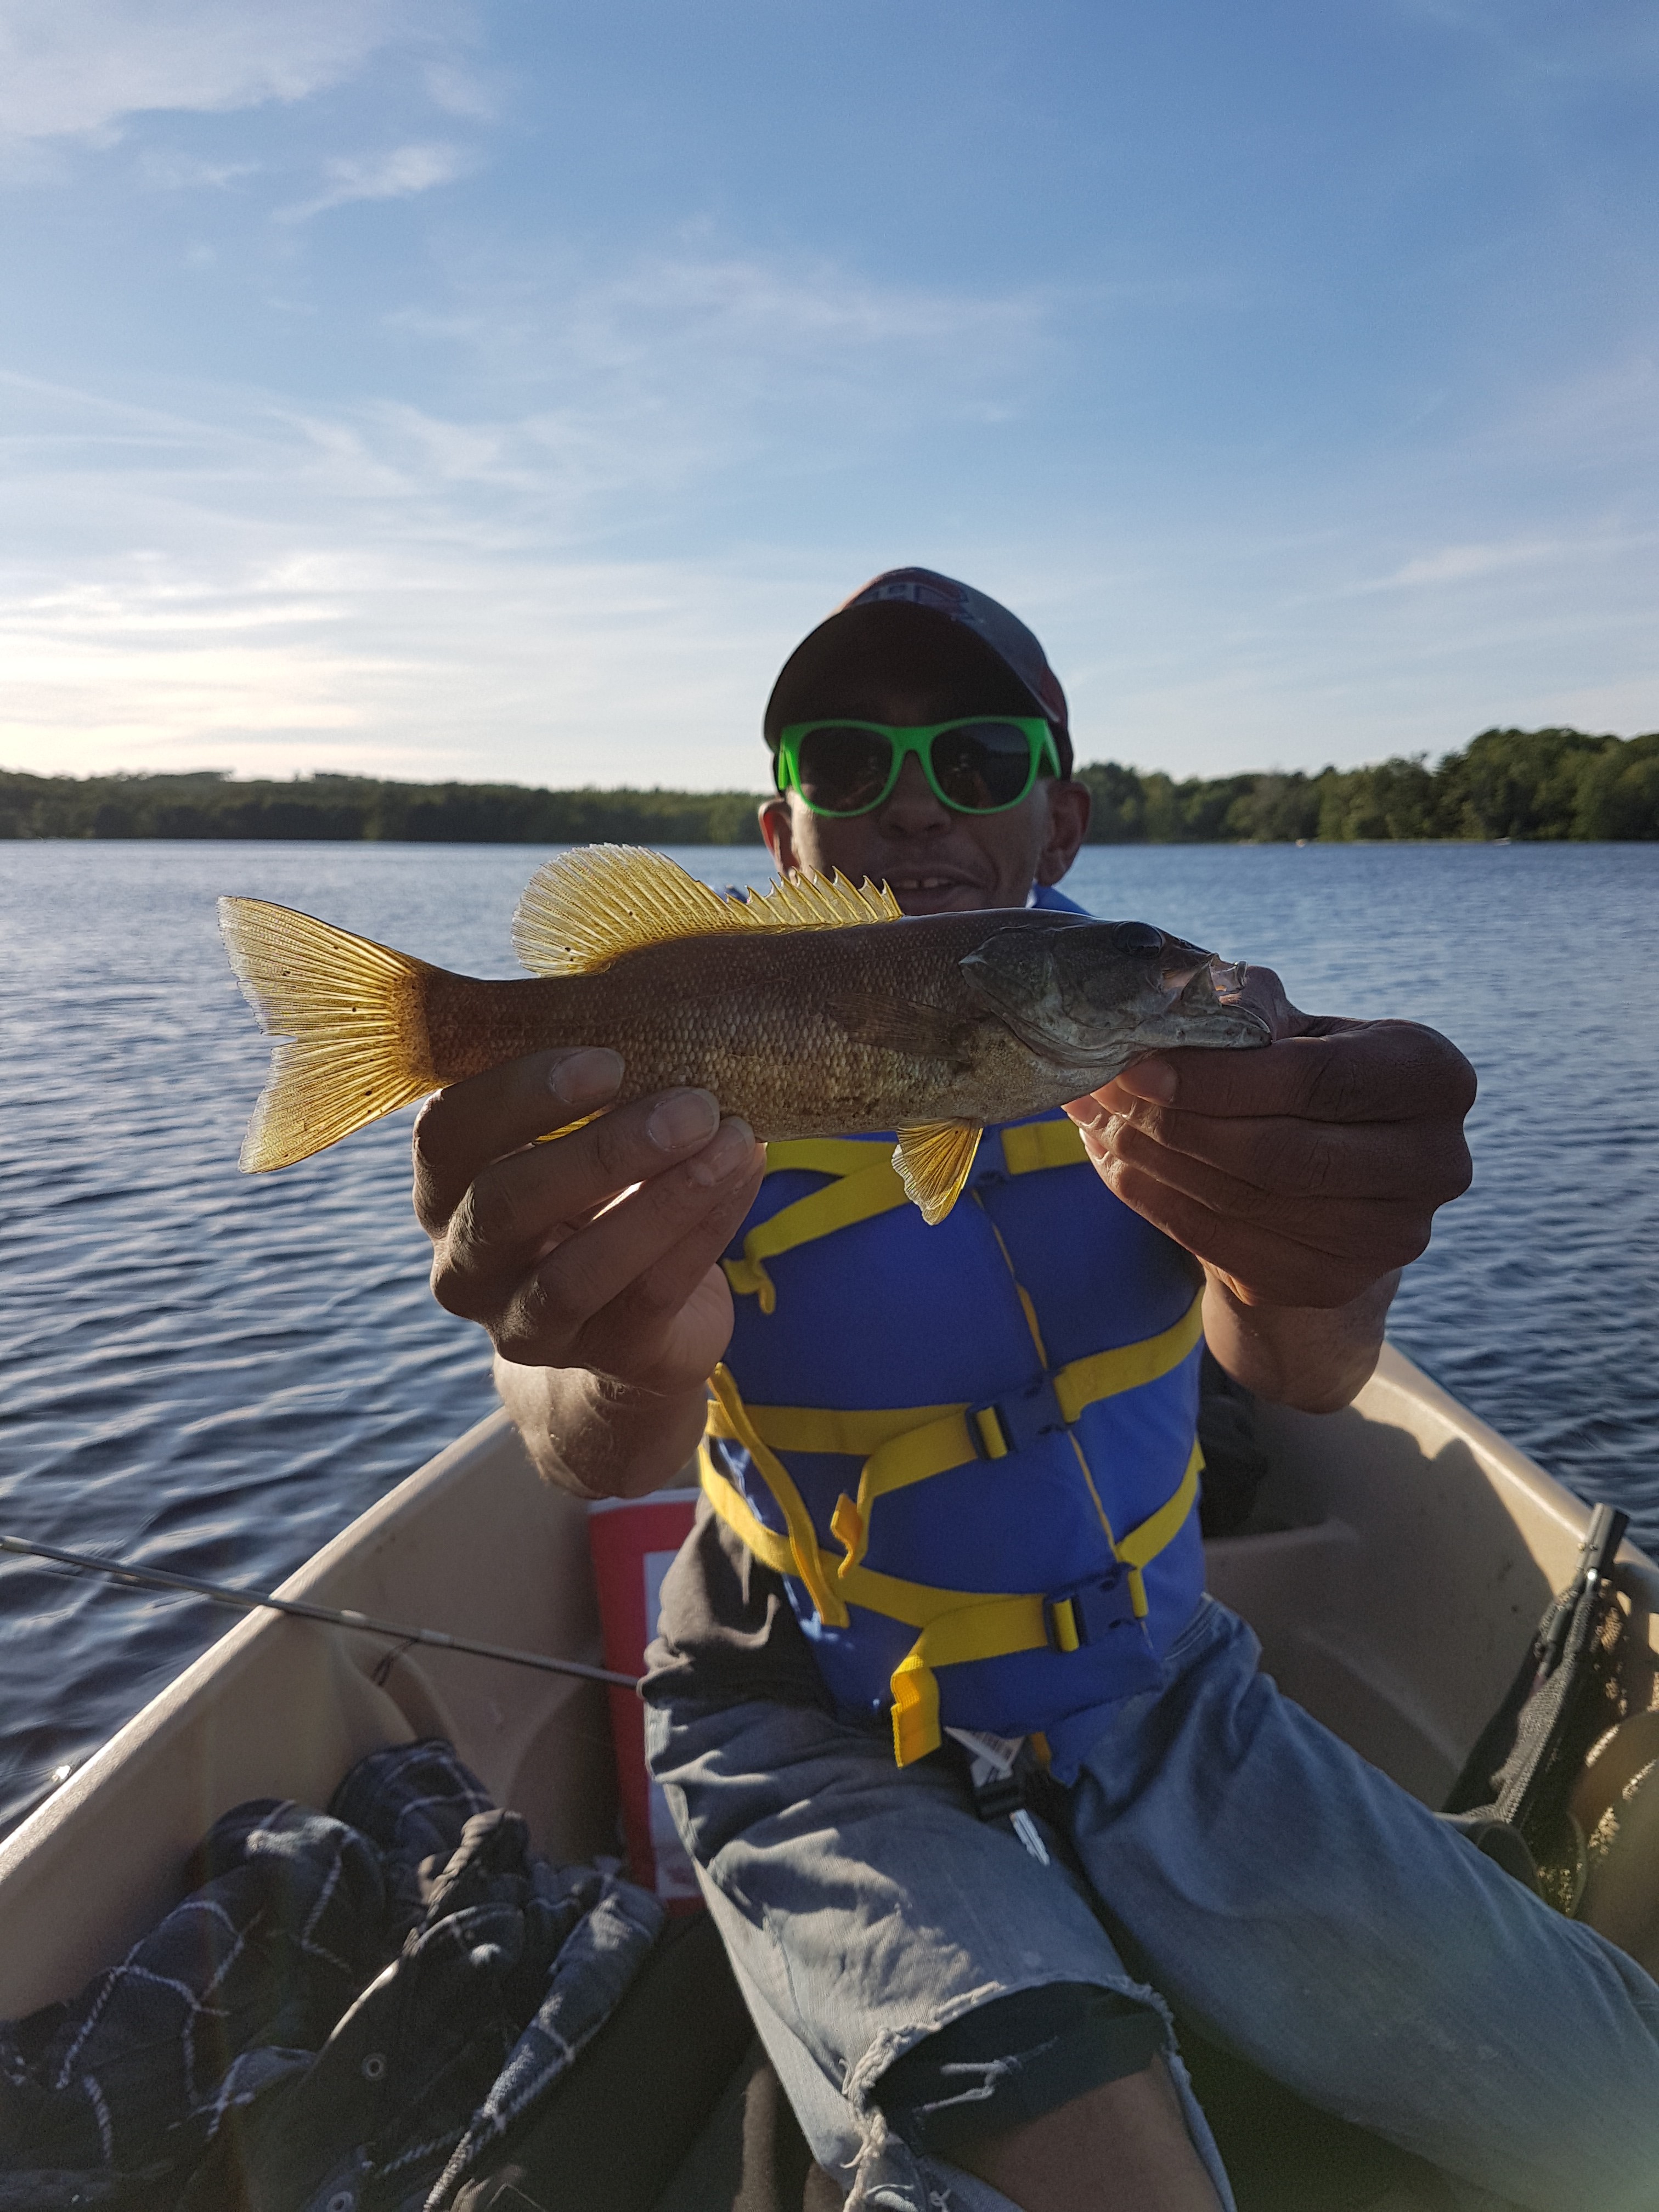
{"x":933,"y":1161}
{"x":587,"y":908}
{"x":808,"y":901}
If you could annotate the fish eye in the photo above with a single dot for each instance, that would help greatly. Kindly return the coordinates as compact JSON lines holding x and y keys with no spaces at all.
{"x":1137,"y":937}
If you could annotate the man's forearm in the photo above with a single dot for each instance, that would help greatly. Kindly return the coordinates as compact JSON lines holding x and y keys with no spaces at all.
{"x":1315,"y":1357}
{"x":596,"y":1437}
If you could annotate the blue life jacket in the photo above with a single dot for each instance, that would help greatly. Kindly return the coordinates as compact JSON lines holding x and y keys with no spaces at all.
{"x":969,"y":1449}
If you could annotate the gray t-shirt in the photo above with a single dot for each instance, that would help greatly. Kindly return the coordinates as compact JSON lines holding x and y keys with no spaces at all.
{"x":727,"y":1632}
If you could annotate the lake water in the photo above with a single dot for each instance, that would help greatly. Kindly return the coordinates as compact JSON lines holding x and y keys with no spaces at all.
{"x":213,"y":1373}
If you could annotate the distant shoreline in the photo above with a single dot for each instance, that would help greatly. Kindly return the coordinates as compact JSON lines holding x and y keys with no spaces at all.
{"x":1519,"y":785}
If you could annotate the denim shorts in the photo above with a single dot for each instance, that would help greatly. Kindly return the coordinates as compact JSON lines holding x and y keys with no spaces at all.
{"x":1231,"y":1859}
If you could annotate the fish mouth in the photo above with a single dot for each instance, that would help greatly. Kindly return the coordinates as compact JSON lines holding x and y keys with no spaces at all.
{"x":1206,"y":980}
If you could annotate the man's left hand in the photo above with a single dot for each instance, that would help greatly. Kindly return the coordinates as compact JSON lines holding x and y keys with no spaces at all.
{"x":1302,"y":1174}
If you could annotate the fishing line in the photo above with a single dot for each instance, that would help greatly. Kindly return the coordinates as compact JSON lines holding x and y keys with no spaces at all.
{"x":303,"y":1609}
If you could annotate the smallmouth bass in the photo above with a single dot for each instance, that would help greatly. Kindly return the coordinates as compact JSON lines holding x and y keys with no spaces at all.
{"x":812,"y":1009}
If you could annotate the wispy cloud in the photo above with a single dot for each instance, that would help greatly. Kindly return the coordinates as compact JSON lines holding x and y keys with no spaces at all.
{"x":78,"y":70}
{"x":1460,"y":564}
{"x":458,"y":89}
{"x":283,"y":593}
{"x":368,"y":655}
{"x":396,"y":175}
{"x":170,"y":171}
{"x":389,"y":584}
{"x":676,"y":365}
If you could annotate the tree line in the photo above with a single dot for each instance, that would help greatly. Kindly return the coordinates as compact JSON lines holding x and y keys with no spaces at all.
{"x":325,"y":808}
{"x":1519,"y":784}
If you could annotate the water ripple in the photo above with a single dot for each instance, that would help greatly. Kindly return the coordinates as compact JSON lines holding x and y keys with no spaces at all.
{"x":213,"y":1372}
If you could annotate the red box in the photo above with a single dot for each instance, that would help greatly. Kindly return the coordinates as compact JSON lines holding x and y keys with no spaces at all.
{"x":634,"y":1540}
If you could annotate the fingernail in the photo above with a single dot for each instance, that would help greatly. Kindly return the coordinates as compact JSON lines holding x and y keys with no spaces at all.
{"x":583,"y":1078}
{"x":1153,"y":1080}
{"x":683,"y":1117}
{"x":733,"y":1149}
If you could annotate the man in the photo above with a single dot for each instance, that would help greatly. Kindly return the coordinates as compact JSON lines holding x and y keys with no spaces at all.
{"x":960,"y":2017}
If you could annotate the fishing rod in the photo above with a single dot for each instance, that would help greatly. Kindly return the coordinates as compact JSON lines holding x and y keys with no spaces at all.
{"x":302,"y":1609}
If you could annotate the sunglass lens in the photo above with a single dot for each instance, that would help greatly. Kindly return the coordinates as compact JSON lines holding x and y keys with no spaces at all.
{"x":980,"y":766}
{"x":843,"y":769}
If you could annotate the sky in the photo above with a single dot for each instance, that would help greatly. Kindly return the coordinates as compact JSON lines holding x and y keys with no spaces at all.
{"x":501,"y":388}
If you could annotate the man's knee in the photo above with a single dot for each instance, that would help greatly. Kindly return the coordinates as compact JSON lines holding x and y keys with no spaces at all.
{"x":1122,"y":2147}
{"x":1058,"y":2097}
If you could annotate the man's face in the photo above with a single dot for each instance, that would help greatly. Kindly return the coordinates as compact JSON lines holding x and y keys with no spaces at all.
{"x":933,"y":859}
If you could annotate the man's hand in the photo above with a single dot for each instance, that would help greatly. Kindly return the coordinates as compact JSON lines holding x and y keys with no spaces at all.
{"x":1303,"y":1177}
{"x":592,"y":1259}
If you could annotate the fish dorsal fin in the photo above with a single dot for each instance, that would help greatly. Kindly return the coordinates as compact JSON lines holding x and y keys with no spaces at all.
{"x":585,"y":909}
{"x":933,"y":1161}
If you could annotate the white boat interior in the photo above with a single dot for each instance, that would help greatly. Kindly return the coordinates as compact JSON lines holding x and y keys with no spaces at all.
{"x":1396,"y":1563}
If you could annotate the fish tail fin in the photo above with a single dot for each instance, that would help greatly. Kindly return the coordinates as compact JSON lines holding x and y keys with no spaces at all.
{"x":353,"y":1017}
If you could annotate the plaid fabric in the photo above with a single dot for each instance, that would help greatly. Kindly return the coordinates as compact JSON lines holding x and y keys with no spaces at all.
{"x":346,"y":2011}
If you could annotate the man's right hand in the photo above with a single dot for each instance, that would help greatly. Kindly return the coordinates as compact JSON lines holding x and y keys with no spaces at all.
{"x":593,"y":1259}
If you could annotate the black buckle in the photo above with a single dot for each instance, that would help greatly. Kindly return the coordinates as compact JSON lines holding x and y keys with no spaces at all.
{"x":1020,"y":1418}
{"x":996,"y":1800}
{"x":1094,"y":1609}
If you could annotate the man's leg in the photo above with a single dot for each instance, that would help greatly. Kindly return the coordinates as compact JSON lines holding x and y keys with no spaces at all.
{"x":867,"y":1909}
{"x":1125,"y":2143}
{"x":1309,"y":1914}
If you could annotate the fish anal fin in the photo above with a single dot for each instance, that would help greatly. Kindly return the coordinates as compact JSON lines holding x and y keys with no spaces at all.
{"x":934,"y":1160}
{"x":586,"y":909}
{"x":894,"y":1023}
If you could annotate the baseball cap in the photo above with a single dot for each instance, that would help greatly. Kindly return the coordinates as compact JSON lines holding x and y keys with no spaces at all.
{"x":935,"y":598}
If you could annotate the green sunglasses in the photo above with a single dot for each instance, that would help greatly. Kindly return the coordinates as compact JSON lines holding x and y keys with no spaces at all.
{"x":978,"y":763}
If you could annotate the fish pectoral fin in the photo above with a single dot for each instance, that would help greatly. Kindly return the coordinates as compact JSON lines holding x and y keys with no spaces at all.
{"x":897,"y":1024}
{"x":586,"y":909}
{"x":933,"y":1161}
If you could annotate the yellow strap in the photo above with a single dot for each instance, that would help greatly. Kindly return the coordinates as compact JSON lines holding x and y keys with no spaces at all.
{"x":901,"y":1445}
{"x":1148,"y":1538}
{"x":855,"y":1433}
{"x":803,"y":1537}
{"x":1034,"y":1145}
{"x":835,"y":1155}
{"x":1105,"y":1374}
{"x":858,"y":1432}
{"x":915,"y":1456}
{"x":991,"y":1628}
{"x":915,"y":1710}
{"x":955,"y":1625}
{"x":988,"y":1629}
{"x":851,"y":1198}
{"x":728,"y":1501}
{"x":895,"y":1450}
{"x":988,"y":1624}
{"x":858,"y":1196}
